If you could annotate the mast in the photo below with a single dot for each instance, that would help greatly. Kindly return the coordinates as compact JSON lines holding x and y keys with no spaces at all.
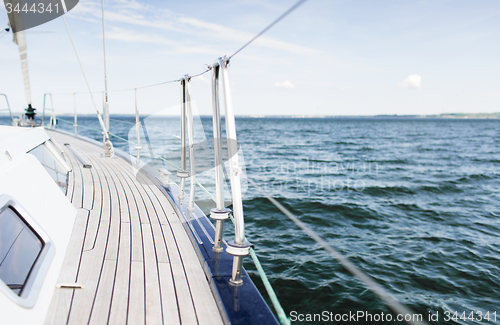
{"x":106,"y":103}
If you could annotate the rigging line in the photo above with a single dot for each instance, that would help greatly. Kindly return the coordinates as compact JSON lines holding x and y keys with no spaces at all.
{"x":76,"y":93}
{"x":104,"y":55}
{"x":125,"y":89}
{"x":200,"y":74}
{"x":106,"y":134}
{"x":157,"y":84}
{"x":154,"y":129}
{"x":160,"y":83}
{"x":164,"y":82}
{"x":385,"y":296}
{"x":286,"y":13}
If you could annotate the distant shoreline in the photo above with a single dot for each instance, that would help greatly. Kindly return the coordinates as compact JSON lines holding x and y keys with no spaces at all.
{"x":395,"y":116}
{"x":464,"y":116}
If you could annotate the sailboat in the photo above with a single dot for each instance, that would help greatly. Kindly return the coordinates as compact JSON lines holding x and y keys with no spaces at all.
{"x":88,"y":235}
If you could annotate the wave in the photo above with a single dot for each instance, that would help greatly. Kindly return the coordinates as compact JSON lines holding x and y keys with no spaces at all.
{"x":475,"y":177}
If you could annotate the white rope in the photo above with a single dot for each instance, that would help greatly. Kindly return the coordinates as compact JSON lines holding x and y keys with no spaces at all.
{"x":106,"y":134}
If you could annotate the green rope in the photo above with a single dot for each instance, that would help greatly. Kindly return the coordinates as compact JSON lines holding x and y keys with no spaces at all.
{"x":270,"y":291}
{"x":272,"y":295}
{"x":206,"y":191}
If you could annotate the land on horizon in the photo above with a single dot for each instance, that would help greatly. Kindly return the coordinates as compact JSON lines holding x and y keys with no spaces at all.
{"x":395,"y":116}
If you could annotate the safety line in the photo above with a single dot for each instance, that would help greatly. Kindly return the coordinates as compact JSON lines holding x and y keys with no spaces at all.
{"x":277,"y":20}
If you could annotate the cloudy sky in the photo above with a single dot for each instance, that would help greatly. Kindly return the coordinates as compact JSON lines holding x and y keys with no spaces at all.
{"x":326,"y":58}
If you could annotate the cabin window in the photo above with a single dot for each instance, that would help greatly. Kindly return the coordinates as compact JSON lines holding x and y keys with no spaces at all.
{"x":55,"y":169}
{"x":20,"y":247}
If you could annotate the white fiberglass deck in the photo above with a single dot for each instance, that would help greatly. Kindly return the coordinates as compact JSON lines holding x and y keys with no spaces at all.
{"x":128,"y":249}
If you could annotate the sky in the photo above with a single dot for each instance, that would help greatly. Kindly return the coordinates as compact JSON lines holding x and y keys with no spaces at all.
{"x":328,"y":57}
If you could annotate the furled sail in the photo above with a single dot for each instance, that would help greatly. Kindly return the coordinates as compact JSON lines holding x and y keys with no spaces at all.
{"x":16,"y":24}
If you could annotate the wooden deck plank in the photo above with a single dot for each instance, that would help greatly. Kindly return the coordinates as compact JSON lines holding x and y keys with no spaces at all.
{"x":136,"y":312}
{"x":120,"y":300}
{"x":153,"y":215}
{"x":94,"y":181}
{"x":153,"y":298}
{"x":102,"y":301}
{"x":185,"y":303}
{"x":137,"y":262}
{"x":170,"y":307}
{"x":106,"y":287}
{"x":135,"y":223}
{"x":61,"y":301}
{"x":93,"y":255}
{"x":168,"y":300}
{"x":204,"y":303}
{"x":116,"y":211}
{"x":182,"y":291}
{"x":143,"y":211}
{"x":60,"y":304}
{"x":125,"y":195}
{"x":205,"y":306}
{"x":134,"y":217}
{"x":89,"y":274}
{"x":160,"y":245}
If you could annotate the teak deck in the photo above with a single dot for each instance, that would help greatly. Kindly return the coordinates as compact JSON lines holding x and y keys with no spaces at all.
{"x":128,"y":250}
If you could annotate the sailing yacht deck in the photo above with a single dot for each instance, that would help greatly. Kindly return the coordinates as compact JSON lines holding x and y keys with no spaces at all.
{"x":128,"y":250}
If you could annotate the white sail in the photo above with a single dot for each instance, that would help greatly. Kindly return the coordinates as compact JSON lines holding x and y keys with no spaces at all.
{"x":20,"y":40}
{"x":16,"y":24}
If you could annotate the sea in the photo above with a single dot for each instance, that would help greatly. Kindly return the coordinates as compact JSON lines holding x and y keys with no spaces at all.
{"x":414,"y":203}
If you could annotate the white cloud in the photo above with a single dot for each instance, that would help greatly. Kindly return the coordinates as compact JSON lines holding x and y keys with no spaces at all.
{"x":132,"y":36}
{"x":285,"y":84}
{"x":413,"y":81}
{"x":136,"y":14}
{"x":127,"y":35}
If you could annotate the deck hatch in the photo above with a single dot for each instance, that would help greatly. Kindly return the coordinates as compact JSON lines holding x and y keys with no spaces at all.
{"x":20,"y":247}
{"x":26,"y":253}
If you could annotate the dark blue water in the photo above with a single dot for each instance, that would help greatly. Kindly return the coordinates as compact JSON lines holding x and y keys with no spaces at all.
{"x":414,"y":203}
